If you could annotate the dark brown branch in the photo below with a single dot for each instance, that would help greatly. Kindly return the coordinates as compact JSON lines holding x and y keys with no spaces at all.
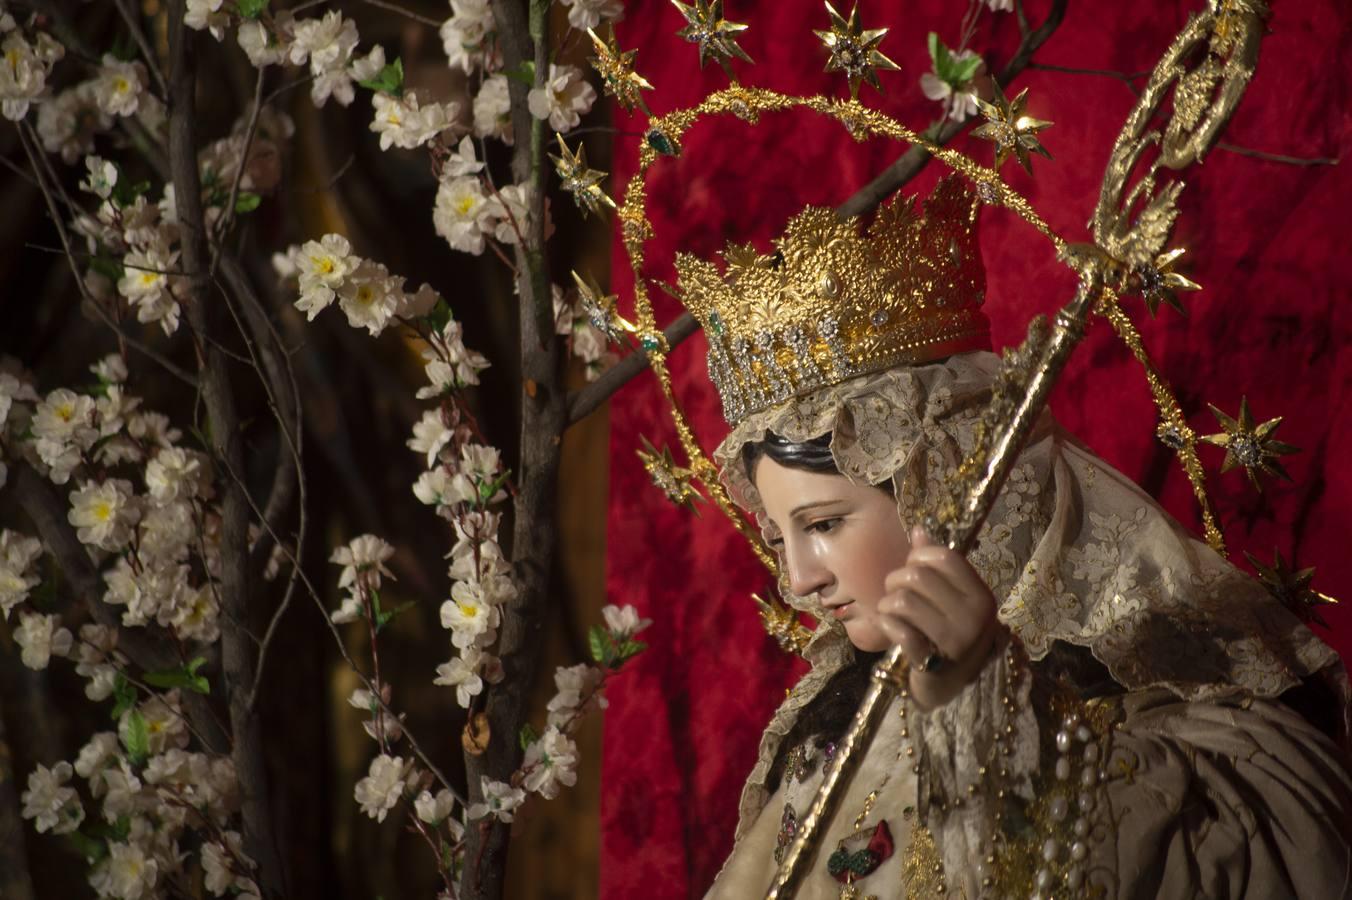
{"x":1277,"y":157}
{"x":523,"y":31}
{"x":228,"y":215}
{"x":406,"y":13}
{"x":15,"y":882}
{"x":204,"y":317}
{"x":942,"y":131}
{"x":584,"y":401}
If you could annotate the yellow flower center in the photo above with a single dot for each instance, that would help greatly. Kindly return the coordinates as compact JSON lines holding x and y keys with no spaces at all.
{"x":149,"y":277}
{"x":365,"y":295}
{"x":465,"y":205}
{"x":103,"y":511}
{"x":121,"y":85}
{"x":324,"y":265}
{"x":468,"y":610}
{"x":64,"y":412}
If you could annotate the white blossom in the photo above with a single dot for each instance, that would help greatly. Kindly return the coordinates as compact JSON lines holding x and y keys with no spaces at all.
{"x":467,"y":36}
{"x":112,"y":369}
{"x":508,"y":212}
{"x":365,"y":68}
{"x":500,"y":800}
{"x":104,"y":513}
{"x":128,"y":872}
{"x":102,"y":177}
{"x":460,"y":214}
{"x":404,"y":122}
{"x":584,"y":14}
{"x":146,"y":284}
{"x":66,"y":416}
{"x":493,"y":110}
{"x":218,"y":862}
{"x":207,"y":14}
{"x":384,"y":784}
{"x":18,"y":552}
{"x":117,"y":88}
{"x":350,"y":610}
{"x":49,"y":803}
{"x":464,"y":161}
{"x":550,"y":762}
{"x":369,"y":296}
{"x":163,"y":717}
{"x":574,"y":683}
{"x":94,"y":757}
{"x":68,"y":122}
{"x":23,"y":78}
{"x":438,"y":487}
{"x":1000,"y":5}
{"x":469,"y":615}
{"x":430,"y":434}
{"x":328,"y":43}
{"x":364,"y":555}
{"x":260,"y":45}
{"x":324,"y":265}
{"x":93,"y":652}
{"x":563,"y":99}
{"x":175,"y":472}
{"x":462,"y":676}
{"x":432,"y":809}
{"x":40,"y":639}
{"x":623,"y":621}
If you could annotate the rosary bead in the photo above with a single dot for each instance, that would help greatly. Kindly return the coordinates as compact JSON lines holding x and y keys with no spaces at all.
{"x":1062,"y":768}
{"x":1089,"y":777}
{"x":1075,"y":877}
{"x":1086,"y":801}
{"x":1079,"y":851}
{"x":1059,"y":809}
{"x":1044,"y":879}
{"x":1081,"y":827}
{"x":1091,"y":752}
{"x":1084,"y":734}
{"x":1050,"y":850}
{"x":1063,"y":741}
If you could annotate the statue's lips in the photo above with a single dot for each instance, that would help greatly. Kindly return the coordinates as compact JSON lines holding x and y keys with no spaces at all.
{"x":840,"y":611}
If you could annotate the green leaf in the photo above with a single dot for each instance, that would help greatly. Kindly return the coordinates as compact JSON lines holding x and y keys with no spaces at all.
{"x":92,"y":849}
{"x":135,"y":737}
{"x":124,"y":695}
{"x":183,"y":677}
{"x":527,"y":736}
{"x":439,"y":315}
{"x":389,"y":80}
{"x":947,"y":67}
{"x":247,"y":202}
{"x":524,"y":73}
{"x":125,"y":192}
{"x":384,"y":618}
{"x":251,"y":9}
{"x":601,"y":644}
{"x":108,"y":268}
{"x":629,"y":649}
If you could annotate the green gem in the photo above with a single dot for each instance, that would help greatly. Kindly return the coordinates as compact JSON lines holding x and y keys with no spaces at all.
{"x":837,"y":863}
{"x":661,"y":143}
{"x":716,"y":323}
{"x":649,"y":343}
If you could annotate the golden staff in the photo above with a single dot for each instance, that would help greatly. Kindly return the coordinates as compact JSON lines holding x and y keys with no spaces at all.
{"x":1130,"y":230}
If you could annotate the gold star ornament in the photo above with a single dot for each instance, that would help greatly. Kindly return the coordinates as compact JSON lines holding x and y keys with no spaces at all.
{"x":670,"y":478}
{"x":1012,"y":132}
{"x":616,"y":68}
{"x":1158,"y":283}
{"x":781,"y":623}
{"x":1250,"y":446}
{"x":1293,"y":588}
{"x":583,"y":183}
{"x":715,"y":36}
{"x":854,"y":50}
{"x":601,"y":310}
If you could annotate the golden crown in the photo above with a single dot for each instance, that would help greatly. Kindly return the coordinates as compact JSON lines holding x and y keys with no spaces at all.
{"x":832,"y":303}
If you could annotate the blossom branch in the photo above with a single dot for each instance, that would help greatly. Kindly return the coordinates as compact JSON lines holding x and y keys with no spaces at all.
{"x":138,"y":35}
{"x":941,"y":131}
{"x":406,"y":13}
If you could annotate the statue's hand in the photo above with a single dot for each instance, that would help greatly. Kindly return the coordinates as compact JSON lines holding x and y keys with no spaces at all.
{"x":938,"y":603}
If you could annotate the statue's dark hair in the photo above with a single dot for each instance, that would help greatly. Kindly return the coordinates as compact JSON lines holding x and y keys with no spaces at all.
{"x":814,"y":455}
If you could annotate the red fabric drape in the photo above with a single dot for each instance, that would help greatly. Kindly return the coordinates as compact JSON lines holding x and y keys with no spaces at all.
{"x":1266,"y":240}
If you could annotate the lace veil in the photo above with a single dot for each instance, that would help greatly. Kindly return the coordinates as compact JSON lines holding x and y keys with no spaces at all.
{"x":1073,"y":550}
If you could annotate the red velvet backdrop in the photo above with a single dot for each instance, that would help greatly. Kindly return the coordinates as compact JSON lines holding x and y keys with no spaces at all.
{"x":1267,"y":241}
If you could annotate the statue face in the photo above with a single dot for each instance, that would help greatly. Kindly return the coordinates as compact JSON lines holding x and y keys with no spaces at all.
{"x":836,"y":539}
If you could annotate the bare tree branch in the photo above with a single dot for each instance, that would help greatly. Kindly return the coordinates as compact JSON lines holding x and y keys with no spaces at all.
{"x":942,"y":131}
{"x":138,"y":35}
{"x":584,"y":401}
{"x":15,"y":881}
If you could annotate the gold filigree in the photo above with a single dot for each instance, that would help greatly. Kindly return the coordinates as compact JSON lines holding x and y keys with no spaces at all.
{"x":781,"y":623}
{"x":616,"y":68}
{"x":854,"y":50}
{"x":602,"y":309}
{"x":1010,"y":129}
{"x":715,"y":36}
{"x":583,"y":183}
{"x":1292,"y":588}
{"x":1157,"y":282}
{"x":1249,"y":445}
{"x":673,"y":480}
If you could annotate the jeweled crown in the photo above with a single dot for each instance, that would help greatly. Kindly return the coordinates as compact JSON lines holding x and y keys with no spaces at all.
{"x":832,"y":303}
